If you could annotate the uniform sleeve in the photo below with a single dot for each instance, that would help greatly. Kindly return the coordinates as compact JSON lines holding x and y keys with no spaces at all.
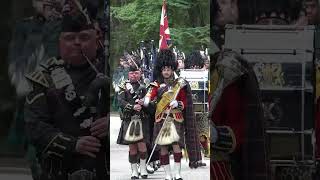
{"x":123,"y":104}
{"x":151,"y":95}
{"x":182,"y":99}
{"x":41,"y":132}
{"x":150,"y":100}
{"x":229,"y":117}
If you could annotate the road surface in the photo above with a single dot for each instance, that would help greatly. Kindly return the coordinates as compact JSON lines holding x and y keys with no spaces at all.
{"x":120,"y":167}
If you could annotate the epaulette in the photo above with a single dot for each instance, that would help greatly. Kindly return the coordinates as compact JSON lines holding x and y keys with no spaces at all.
{"x":122,"y":85}
{"x":38,"y":77}
{"x":182,"y":81}
{"x":52,"y":62}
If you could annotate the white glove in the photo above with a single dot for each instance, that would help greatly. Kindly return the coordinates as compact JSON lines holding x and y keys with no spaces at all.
{"x":174,"y":104}
{"x":146,"y":101}
{"x":117,"y":89}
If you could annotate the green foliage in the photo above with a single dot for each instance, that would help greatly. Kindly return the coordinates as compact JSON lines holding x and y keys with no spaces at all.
{"x":189,"y":39}
{"x":135,"y":20}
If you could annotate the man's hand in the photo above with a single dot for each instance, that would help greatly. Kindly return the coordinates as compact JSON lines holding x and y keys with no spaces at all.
{"x":140,"y":102}
{"x":137,"y":107}
{"x":99,"y":127}
{"x":88,"y":145}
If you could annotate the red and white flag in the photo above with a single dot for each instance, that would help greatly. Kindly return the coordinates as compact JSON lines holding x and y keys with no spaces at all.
{"x":165,"y":40}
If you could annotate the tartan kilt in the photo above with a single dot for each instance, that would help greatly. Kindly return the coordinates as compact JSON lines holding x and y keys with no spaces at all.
{"x":145,"y":130}
{"x":220,"y":170}
{"x":179,"y":127}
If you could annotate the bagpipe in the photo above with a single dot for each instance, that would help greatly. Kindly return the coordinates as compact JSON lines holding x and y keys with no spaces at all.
{"x":134,"y":132}
{"x":148,"y":55}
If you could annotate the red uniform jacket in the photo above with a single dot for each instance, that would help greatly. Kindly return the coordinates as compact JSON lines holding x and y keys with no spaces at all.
{"x":181,"y":97}
{"x":230,"y":112}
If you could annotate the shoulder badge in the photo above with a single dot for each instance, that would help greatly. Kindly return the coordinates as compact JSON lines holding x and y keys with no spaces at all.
{"x":52,"y":62}
{"x":122,"y":85}
{"x":38,"y":77}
